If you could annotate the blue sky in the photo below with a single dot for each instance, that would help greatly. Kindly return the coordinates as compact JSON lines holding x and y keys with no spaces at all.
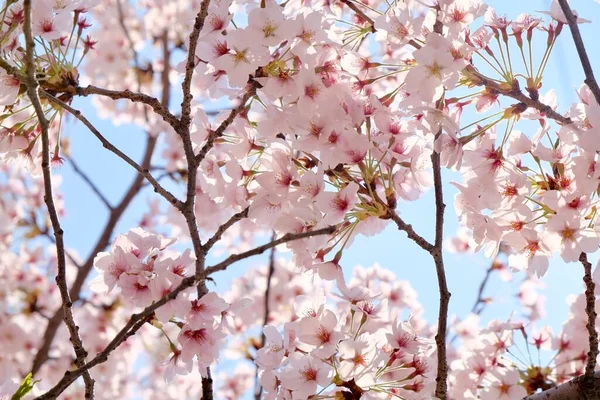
{"x":86,"y":215}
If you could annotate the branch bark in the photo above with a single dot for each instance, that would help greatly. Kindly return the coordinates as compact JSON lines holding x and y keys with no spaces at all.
{"x":186,"y":104}
{"x":158,"y":188}
{"x":188,"y":210}
{"x":567,"y":391}
{"x":153,"y":102}
{"x":360,"y":13}
{"x":210,"y":142}
{"x":516,"y":93}
{"x":438,"y":258}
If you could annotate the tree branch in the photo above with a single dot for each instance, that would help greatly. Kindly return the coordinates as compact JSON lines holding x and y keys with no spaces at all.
{"x":515,"y":93}
{"x":482,"y":285}
{"x":215,"y":238}
{"x":89,"y":182}
{"x":188,"y":210}
{"x":153,"y":102}
{"x":360,"y":13}
{"x":61,"y":276}
{"x":414,"y":236}
{"x":436,"y":253}
{"x":210,"y":141}
{"x":186,"y":86}
{"x":158,"y":188}
{"x":590,"y":80}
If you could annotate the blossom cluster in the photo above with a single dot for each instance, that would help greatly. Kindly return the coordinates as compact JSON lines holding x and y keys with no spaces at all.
{"x":142,"y":267}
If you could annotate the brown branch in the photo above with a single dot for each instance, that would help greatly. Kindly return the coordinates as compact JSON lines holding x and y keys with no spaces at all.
{"x":153,"y":102}
{"x":414,"y":44}
{"x":50,"y":237}
{"x":482,"y":285}
{"x":436,"y":253}
{"x":158,"y":188}
{"x":210,"y":141}
{"x":480,"y":299}
{"x":590,"y":80}
{"x":134,"y":324}
{"x":137,"y":320}
{"x":515,"y":93}
{"x":215,"y":238}
{"x":288,"y":237}
{"x":14,"y":71}
{"x":89,"y":182}
{"x":186,"y":86}
{"x":573,"y":389}
{"x":410,"y":232}
{"x":360,"y":13}
{"x":590,"y":303}
{"x":188,"y":210}
{"x":61,"y":276}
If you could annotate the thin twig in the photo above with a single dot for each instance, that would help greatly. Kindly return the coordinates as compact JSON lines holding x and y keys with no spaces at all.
{"x":288,"y":237}
{"x":153,"y":102}
{"x":414,"y":236}
{"x":482,"y":285}
{"x":158,"y":188}
{"x":360,"y":13}
{"x":101,"y":243}
{"x":215,"y":238}
{"x":258,"y":387}
{"x":90,"y":183}
{"x":61,"y":276}
{"x":480,"y":299}
{"x":515,"y":93}
{"x":210,"y":141}
{"x":590,"y":80}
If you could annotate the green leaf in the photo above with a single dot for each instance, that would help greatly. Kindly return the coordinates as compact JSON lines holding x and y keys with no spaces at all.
{"x":25,"y":387}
